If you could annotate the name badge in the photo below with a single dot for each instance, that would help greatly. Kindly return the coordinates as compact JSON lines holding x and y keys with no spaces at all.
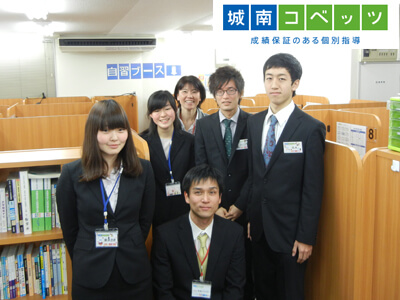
{"x":106,"y":238}
{"x":242,"y":145}
{"x":292,"y":147}
{"x":201,"y":289}
{"x":173,"y":188}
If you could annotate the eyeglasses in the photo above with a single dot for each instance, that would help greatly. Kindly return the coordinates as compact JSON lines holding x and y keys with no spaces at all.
{"x":230,"y":91}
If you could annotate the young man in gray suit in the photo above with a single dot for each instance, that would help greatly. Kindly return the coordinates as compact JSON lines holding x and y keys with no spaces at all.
{"x":199,"y":255}
{"x":286,"y":149}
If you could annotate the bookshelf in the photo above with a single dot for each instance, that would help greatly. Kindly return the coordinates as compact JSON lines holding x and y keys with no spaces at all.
{"x":11,"y":161}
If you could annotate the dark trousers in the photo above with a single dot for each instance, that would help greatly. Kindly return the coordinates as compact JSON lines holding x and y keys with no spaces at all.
{"x":277,"y":276}
{"x":115,"y":289}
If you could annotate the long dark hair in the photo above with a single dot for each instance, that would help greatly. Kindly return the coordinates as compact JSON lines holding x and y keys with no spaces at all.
{"x":107,"y":114}
{"x":158,"y":100}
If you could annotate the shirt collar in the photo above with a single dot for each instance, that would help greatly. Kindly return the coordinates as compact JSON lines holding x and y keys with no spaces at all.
{"x":234,"y":118}
{"x":283,"y":115}
{"x":196,"y":230}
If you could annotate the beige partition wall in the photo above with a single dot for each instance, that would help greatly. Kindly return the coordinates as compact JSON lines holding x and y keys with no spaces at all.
{"x":382,"y":197}
{"x":331,"y":270}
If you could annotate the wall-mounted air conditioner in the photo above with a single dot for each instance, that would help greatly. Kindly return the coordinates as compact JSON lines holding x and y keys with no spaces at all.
{"x":106,"y":44}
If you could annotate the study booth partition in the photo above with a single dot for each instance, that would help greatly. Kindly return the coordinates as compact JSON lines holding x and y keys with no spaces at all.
{"x":299,"y":100}
{"x":358,"y":243}
{"x":51,"y":109}
{"x":48,"y":100}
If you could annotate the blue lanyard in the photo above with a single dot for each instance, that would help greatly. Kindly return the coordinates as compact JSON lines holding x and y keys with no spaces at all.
{"x":169,"y":158}
{"x":108,"y":198}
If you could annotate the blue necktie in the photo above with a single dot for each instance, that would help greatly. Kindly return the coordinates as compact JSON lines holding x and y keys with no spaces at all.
{"x":228,"y":137}
{"x":270,"y":140}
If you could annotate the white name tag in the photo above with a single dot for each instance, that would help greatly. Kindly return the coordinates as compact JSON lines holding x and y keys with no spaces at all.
{"x":173,"y":188}
{"x":201,"y":289}
{"x":292,"y":147}
{"x":242,"y":145}
{"x":106,"y":238}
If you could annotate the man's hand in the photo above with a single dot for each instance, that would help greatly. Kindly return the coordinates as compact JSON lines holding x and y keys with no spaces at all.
{"x":233,"y":213}
{"x":221,"y":212}
{"x":305,"y":251}
{"x":248,"y":231}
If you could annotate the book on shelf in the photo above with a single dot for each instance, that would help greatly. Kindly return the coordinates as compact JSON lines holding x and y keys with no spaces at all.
{"x":25,"y":201}
{"x":30,"y":289}
{"x":21,"y":270}
{"x":12,"y":194}
{"x":12,"y":273}
{"x":4,"y":272}
{"x":37,"y":204}
{"x":63,"y":261}
{"x":3,"y":207}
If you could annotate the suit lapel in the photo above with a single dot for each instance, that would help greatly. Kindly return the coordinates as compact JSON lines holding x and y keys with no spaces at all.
{"x":216,"y":245}
{"x":240,"y":126}
{"x":290,"y":127}
{"x":94,"y":187}
{"x":177,"y":141}
{"x":216,"y":130}
{"x":256,"y":133}
{"x":159,"y":150}
{"x":187,"y":243}
{"x":122,"y":194}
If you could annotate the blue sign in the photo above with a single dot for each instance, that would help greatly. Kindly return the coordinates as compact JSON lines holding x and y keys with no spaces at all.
{"x":136,"y":71}
{"x":159,"y":70}
{"x":148,"y":70}
{"x":236,"y":17}
{"x":112,"y":72}
{"x":174,"y":70}
{"x":263,"y":17}
{"x":124,"y":71}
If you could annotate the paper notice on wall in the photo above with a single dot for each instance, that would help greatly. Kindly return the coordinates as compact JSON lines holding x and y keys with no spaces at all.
{"x":352,"y":135}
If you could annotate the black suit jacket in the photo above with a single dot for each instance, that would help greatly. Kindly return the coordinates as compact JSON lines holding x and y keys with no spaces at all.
{"x":175,"y":263}
{"x":182,"y":159}
{"x":210,"y":149}
{"x":286,"y":196}
{"x":80,"y":207}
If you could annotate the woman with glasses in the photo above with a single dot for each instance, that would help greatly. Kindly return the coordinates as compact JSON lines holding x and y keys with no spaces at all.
{"x":190,"y":93}
{"x":171,"y":155}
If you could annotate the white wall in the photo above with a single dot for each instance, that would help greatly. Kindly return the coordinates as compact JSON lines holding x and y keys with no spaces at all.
{"x":326,"y":72}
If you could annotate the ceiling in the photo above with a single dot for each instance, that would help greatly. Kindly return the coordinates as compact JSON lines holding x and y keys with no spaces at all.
{"x":108,"y":17}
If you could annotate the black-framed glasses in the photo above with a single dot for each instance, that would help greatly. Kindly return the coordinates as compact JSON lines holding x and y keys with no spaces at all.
{"x":230,"y":91}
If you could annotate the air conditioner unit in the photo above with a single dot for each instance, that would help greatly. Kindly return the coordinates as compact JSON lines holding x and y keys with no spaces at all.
{"x":106,"y":44}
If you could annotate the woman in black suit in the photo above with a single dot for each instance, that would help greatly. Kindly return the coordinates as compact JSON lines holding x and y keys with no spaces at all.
{"x":106,"y":203}
{"x":171,"y":155}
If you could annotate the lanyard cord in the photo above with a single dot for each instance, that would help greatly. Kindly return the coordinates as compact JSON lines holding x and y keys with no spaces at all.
{"x":169,"y":158}
{"x":108,"y":198}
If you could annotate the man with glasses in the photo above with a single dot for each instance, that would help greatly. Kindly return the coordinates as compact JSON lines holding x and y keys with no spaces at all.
{"x":221,"y":142}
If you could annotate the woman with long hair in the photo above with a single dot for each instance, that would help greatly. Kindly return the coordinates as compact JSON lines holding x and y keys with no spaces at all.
{"x":106,"y":203}
{"x":171,"y":155}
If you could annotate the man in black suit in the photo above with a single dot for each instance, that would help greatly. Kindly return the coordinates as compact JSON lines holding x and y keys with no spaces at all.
{"x":286,"y":149}
{"x":199,"y":255}
{"x":225,"y":148}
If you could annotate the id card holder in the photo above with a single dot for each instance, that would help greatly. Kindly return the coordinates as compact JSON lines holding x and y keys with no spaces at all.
{"x":201,"y":289}
{"x":173,"y":189}
{"x":106,"y":238}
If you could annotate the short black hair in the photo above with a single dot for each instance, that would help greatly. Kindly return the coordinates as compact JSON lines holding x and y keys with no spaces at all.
{"x":287,"y":61}
{"x":158,"y":100}
{"x":201,"y":173}
{"x":193,"y":81}
{"x":222,"y":76}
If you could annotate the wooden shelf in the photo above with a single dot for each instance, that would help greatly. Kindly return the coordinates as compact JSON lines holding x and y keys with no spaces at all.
{"x":39,"y":157}
{"x":14,"y":160}
{"x":9,"y":238}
